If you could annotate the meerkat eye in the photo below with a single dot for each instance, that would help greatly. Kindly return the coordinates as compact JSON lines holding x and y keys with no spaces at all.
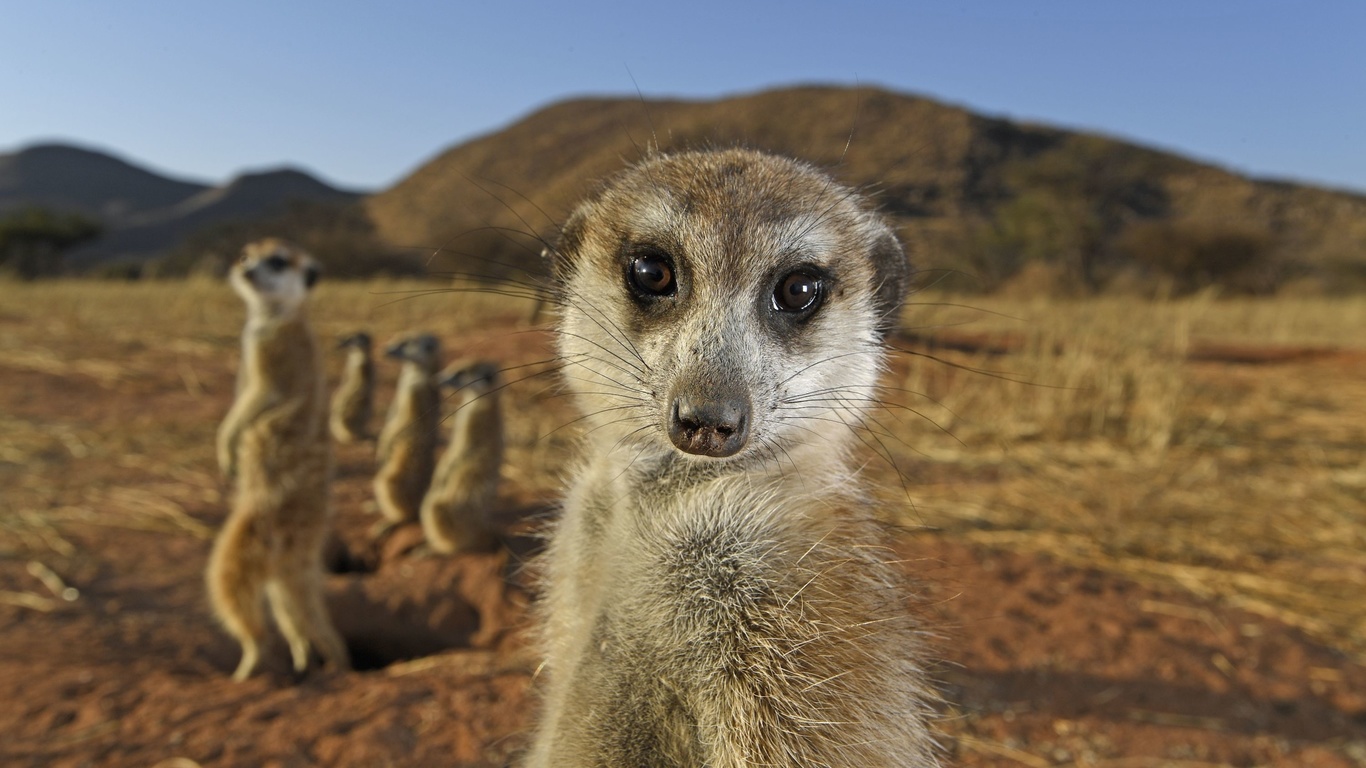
{"x":652,"y":274}
{"x":797,"y":292}
{"x":277,"y":263}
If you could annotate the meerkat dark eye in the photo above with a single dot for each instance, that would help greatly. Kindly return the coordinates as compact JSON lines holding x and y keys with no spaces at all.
{"x":652,"y":274}
{"x":277,"y":263}
{"x":798,"y":292}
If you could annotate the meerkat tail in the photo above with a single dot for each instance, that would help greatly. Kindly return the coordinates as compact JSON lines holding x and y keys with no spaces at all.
{"x":236,"y":579}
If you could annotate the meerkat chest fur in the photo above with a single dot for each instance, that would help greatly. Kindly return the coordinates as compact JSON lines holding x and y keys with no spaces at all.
{"x":717,"y":592}
{"x":414,"y":413}
{"x":360,"y":370}
{"x":283,"y":358}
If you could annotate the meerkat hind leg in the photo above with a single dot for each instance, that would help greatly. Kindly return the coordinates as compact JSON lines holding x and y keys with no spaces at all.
{"x":292,"y":624}
{"x":302,"y":617}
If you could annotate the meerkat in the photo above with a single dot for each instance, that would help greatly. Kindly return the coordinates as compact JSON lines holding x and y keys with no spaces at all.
{"x":273,"y":444}
{"x":455,"y":512}
{"x":406,"y":452}
{"x":718,"y":591}
{"x":353,"y":402}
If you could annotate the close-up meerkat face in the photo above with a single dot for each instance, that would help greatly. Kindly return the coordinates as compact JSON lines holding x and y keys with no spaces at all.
{"x":726,"y":304}
{"x":274,"y":274}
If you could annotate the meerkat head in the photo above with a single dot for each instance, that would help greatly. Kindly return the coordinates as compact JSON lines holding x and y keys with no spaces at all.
{"x":421,"y":349}
{"x":274,"y":276}
{"x":358,"y":340}
{"x":726,"y":305}
{"x":475,"y":378}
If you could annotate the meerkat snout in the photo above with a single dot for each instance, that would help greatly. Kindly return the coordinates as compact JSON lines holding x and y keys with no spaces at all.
{"x":716,"y":426}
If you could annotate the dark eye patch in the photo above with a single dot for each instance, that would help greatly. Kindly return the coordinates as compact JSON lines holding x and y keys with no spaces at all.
{"x":277,"y":263}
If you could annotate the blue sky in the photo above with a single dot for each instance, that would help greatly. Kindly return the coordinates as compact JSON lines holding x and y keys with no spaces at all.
{"x":362,"y":93}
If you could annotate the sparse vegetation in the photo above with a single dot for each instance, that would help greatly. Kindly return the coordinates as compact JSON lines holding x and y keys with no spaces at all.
{"x":32,"y":240}
{"x":1194,"y":256}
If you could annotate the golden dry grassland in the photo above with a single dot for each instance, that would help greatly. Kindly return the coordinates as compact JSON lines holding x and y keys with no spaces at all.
{"x":1217,"y":446}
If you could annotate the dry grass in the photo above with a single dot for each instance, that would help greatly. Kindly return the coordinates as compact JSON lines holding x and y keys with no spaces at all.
{"x":1242,"y":483}
{"x":1102,"y":441}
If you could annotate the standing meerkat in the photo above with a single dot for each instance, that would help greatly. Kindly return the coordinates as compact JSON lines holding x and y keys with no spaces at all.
{"x":406,"y":452}
{"x":718,"y":592}
{"x":455,"y":512}
{"x":274,"y":445}
{"x":353,"y":402}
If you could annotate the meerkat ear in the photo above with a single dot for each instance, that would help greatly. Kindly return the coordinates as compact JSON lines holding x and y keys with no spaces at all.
{"x":892,"y":273}
{"x":311,"y":275}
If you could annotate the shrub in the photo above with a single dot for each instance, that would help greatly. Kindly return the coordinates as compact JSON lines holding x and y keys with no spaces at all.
{"x":1195,"y":254}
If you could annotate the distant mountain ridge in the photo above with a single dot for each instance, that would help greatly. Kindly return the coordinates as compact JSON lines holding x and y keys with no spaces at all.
{"x":77,"y":180}
{"x":145,"y":215}
{"x":969,"y":194}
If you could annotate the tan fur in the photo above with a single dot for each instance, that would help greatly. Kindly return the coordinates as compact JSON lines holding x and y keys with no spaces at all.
{"x":456,"y":511}
{"x":353,"y":401}
{"x":718,"y":592}
{"x":274,"y":446}
{"x":407,"y":444}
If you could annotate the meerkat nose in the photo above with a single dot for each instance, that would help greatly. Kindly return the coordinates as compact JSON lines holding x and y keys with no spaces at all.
{"x":709,"y":427}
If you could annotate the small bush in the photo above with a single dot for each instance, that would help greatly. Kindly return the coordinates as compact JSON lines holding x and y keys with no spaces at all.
{"x":32,"y":240}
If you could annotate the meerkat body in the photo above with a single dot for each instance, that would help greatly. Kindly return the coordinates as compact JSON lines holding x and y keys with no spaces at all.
{"x":353,"y":401}
{"x":406,"y":452}
{"x":717,"y":592}
{"x":273,"y":443}
{"x":455,"y":512}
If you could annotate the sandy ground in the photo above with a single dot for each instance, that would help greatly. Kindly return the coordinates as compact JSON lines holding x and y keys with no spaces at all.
{"x":1042,"y":662}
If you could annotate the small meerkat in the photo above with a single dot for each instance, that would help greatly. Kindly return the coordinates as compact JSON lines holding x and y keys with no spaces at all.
{"x":717,"y":591}
{"x":406,"y":452}
{"x":273,"y":444}
{"x":353,"y":401}
{"x":455,"y":512}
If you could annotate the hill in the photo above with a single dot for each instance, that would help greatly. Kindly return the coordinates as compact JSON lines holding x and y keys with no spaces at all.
{"x":76,"y":180}
{"x":982,"y":195}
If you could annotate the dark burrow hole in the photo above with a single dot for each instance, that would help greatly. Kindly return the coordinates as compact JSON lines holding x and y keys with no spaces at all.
{"x":383,"y":624}
{"x":340,"y":558}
